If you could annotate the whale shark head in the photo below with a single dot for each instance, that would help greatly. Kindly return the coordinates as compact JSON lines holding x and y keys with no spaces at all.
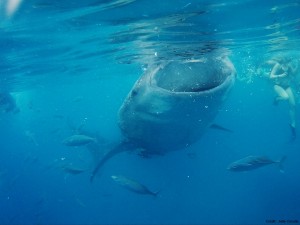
{"x":172,"y":104}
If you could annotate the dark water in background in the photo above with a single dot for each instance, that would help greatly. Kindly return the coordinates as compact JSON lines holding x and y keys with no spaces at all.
{"x":71,"y":63}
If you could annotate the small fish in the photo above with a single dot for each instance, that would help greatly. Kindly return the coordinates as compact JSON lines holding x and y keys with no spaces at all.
{"x":79,"y":202}
{"x":218,"y":127}
{"x":133,"y":185}
{"x":77,"y":99}
{"x":78,"y":140}
{"x":254,"y":162}
{"x":58,"y":116}
{"x":72,"y":169}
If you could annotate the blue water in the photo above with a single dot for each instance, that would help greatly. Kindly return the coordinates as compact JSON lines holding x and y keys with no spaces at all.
{"x":70,"y":64}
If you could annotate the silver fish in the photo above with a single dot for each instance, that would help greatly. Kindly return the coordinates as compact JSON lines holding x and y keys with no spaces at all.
{"x":254,"y":162}
{"x":133,"y":185}
{"x":69,"y":168}
{"x":78,"y":140}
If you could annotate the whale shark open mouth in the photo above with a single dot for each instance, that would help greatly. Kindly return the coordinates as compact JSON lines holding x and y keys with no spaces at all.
{"x":189,"y":77}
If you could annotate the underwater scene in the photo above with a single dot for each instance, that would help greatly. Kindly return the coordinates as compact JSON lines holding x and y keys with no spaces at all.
{"x":149,"y":112}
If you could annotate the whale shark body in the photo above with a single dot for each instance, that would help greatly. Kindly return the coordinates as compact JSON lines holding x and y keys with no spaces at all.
{"x":173,"y":104}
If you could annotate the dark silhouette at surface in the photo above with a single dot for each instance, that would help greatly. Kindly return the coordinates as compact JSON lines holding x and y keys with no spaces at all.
{"x":8,"y":103}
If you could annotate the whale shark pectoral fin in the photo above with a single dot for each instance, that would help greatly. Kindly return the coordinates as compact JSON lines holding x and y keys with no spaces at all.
{"x":122,"y":147}
{"x":218,"y":127}
{"x":118,"y":149}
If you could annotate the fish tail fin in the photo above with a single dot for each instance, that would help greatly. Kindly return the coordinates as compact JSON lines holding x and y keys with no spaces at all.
{"x":95,"y":140}
{"x":157,"y":193}
{"x":280,"y":164}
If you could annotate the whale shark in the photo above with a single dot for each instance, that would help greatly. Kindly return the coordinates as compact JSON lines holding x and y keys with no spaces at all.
{"x":173,"y":104}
